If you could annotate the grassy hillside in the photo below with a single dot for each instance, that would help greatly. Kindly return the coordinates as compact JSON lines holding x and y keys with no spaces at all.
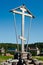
{"x":38,"y":57}
{"x":4,"y":58}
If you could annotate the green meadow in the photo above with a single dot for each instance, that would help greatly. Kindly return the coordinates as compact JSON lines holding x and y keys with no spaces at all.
{"x":38,"y":57}
{"x":4,"y":58}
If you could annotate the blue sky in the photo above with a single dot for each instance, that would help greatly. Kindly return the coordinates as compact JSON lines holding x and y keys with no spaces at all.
{"x":7,"y":31}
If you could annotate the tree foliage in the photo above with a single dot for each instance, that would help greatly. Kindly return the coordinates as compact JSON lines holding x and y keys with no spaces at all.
{"x":6,"y":46}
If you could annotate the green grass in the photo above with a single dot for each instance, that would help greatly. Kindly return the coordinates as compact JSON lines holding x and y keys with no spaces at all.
{"x":38,"y":57}
{"x":4,"y":58}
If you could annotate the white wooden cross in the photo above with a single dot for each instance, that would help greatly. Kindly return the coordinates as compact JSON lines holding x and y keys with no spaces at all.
{"x":23,"y":13}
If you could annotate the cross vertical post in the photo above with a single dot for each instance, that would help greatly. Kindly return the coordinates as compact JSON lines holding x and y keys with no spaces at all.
{"x":22,"y":31}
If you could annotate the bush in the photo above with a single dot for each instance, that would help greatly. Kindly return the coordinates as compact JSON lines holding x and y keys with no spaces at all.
{"x":33,"y":53}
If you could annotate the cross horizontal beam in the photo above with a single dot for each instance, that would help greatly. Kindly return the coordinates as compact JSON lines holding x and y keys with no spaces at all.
{"x":17,"y":12}
{"x":20,"y":37}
